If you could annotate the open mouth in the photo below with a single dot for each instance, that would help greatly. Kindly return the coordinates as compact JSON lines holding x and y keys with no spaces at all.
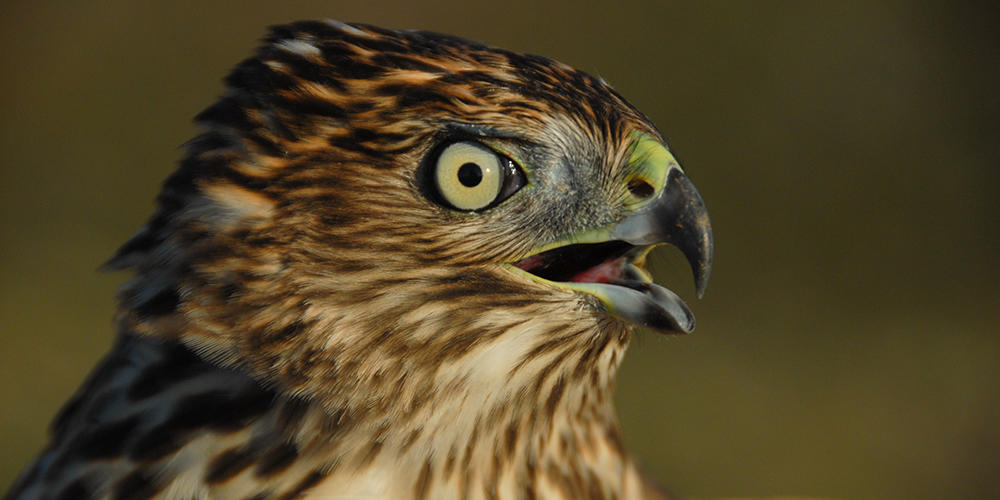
{"x":612,"y":272}
{"x":581,"y":263}
{"x":606,"y":262}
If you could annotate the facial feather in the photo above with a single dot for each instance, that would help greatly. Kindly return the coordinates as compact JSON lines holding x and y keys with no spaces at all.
{"x":300,"y":220}
{"x":299,"y":253}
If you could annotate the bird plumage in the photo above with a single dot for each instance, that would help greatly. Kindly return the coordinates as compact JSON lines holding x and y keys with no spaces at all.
{"x":309,"y":315}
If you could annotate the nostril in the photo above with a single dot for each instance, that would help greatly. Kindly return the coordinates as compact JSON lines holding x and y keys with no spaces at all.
{"x":640,"y":188}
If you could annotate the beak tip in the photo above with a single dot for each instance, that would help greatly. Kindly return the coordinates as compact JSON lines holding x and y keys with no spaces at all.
{"x":700,"y":285}
{"x":701,"y":273}
{"x":702,"y":266}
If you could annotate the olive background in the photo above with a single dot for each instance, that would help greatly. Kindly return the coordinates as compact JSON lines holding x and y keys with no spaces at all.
{"x":847,"y":151}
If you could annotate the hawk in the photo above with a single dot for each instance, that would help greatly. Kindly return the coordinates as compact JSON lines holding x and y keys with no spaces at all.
{"x":393,"y":264}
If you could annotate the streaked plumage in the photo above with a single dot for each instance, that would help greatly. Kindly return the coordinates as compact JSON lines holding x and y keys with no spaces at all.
{"x":311,"y":313}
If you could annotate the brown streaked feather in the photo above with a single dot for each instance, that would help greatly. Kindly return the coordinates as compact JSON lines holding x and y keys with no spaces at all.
{"x":304,"y":319}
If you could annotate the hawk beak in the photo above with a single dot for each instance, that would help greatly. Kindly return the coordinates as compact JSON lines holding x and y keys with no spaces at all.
{"x":676,"y":216}
{"x":606,"y":263}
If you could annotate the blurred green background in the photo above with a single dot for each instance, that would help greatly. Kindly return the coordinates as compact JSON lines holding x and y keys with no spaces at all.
{"x":848,"y":151}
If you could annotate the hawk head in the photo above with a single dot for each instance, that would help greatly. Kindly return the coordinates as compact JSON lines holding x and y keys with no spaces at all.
{"x":388,"y":221}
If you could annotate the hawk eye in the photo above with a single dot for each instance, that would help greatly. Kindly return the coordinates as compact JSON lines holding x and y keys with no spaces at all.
{"x":470,"y":176}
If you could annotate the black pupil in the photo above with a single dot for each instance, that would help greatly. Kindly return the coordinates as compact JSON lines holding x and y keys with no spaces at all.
{"x":470,"y":174}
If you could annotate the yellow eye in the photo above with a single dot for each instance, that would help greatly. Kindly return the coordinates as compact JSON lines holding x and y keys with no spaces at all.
{"x":469,"y":176}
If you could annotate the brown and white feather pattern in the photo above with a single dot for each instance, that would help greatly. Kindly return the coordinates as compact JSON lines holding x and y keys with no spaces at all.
{"x":304,"y":322}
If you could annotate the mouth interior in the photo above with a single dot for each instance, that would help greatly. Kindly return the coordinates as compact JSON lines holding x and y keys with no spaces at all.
{"x":582,"y":263}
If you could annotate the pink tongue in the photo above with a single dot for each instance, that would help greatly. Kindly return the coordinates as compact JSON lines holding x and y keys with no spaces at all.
{"x":531,"y":262}
{"x":604,"y":272}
